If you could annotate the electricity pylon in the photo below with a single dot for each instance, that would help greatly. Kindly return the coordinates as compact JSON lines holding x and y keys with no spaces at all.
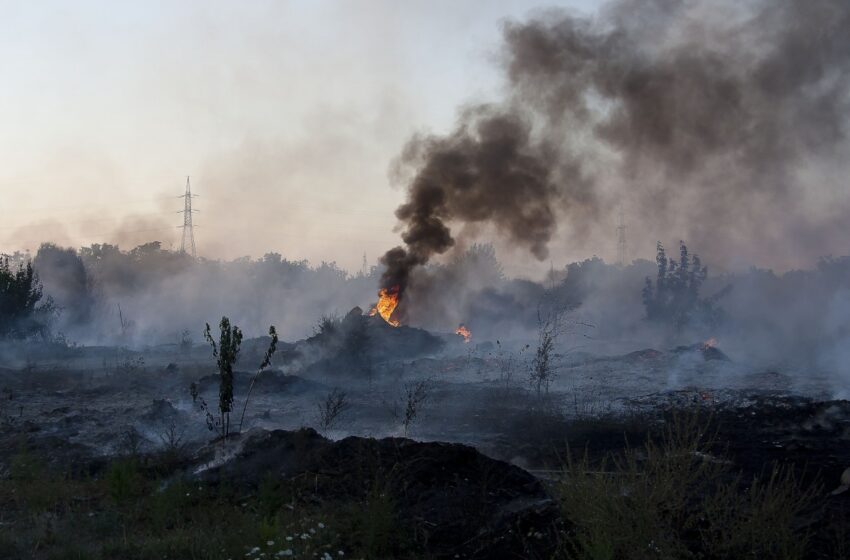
{"x":187,"y":244}
{"x":622,"y":248}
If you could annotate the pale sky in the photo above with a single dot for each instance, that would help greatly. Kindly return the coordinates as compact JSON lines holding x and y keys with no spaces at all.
{"x":286,"y":115}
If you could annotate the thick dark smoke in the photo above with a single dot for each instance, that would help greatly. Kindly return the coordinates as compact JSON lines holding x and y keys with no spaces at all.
{"x":712,"y":120}
{"x":489,"y":170}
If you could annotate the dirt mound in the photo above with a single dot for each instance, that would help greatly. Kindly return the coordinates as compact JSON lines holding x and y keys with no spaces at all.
{"x":464,"y":502}
{"x":709,"y":352}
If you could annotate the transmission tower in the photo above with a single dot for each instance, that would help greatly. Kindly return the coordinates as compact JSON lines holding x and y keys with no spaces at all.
{"x":622,"y":248}
{"x":187,"y":244}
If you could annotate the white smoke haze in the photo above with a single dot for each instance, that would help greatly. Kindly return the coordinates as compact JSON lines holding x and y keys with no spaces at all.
{"x":722,"y":124}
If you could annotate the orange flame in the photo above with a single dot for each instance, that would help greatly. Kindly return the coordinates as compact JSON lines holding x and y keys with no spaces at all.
{"x":387,"y":302}
{"x":464,"y":332}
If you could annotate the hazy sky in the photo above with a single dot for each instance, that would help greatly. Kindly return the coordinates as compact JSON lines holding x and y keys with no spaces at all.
{"x":285,"y":114}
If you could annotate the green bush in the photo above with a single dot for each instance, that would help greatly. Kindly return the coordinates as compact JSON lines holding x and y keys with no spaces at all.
{"x":22,"y":312}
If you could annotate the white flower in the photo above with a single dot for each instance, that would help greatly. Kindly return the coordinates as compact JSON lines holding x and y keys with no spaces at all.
{"x":289,"y":538}
{"x":312,"y":531}
{"x":269,"y":543}
{"x":341,"y":553}
{"x":321,"y":525}
{"x":287,"y":552}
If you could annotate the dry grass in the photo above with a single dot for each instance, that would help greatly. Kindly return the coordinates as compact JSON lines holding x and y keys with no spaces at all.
{"x":672,"y":499}
{"x":132,"y":513}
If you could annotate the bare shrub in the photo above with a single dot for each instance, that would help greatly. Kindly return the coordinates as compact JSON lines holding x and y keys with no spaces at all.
{"x":331,"y":409}
{"x":172,"y":438}
{"x":551,"y":324}
{"x":410,"y":404}
{"x":267,"y":360}
{"x":327,"y":325}
{"x":173,"y":446}
{"x":185,"y":343}
{"x":197,"y":399}
{"x":508,"y":363}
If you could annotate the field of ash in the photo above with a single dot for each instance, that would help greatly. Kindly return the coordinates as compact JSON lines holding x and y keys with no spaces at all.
{"x":423,"y":445}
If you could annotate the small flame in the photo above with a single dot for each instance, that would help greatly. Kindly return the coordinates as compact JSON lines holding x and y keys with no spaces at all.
{"x":387,"y":302}
{"x":710,"y":343}
{"x":464,"y":332}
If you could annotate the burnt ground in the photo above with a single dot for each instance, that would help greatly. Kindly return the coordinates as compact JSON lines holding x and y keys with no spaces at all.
{"x":478,"y":483}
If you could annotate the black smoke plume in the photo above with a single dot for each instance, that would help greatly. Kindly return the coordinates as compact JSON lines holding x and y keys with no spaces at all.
{"x":488,"y":170}
{"x":711,"y":118}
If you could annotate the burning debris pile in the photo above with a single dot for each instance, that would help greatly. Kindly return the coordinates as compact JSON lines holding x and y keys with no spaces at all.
{"x":388,"y":299}
{"x":464,"y":332}
{"x":353,"y":344}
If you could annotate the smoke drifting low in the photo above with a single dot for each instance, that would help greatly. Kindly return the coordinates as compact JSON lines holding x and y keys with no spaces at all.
{"x":711,"y":120}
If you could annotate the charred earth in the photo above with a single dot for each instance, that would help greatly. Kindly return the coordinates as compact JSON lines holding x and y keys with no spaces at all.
{"x":434,"y":447}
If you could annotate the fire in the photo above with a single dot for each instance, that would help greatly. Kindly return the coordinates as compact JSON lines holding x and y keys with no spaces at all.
{"x":387,"y":302}
{"x":710,"y":343}
{"x":464,"y":332}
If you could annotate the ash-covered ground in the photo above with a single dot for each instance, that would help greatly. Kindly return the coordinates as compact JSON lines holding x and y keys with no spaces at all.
{"x":98,"y":400}
{"x":79,"y":409}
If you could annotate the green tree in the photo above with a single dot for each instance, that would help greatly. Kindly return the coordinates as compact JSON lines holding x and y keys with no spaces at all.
{"x":66,"y":279}
{"x":24,"y":312}
{"x":675,"y":296}
{"x":225,"y":353}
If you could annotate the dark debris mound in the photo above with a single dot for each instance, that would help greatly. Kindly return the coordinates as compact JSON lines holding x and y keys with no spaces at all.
{"x":709,"y":352}
{"x":462,"y":501}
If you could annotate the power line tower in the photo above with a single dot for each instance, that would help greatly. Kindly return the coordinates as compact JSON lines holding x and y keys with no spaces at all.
{"x":622,"y":247}
{"x":364,"y":268}
{"x":187,"y":244}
